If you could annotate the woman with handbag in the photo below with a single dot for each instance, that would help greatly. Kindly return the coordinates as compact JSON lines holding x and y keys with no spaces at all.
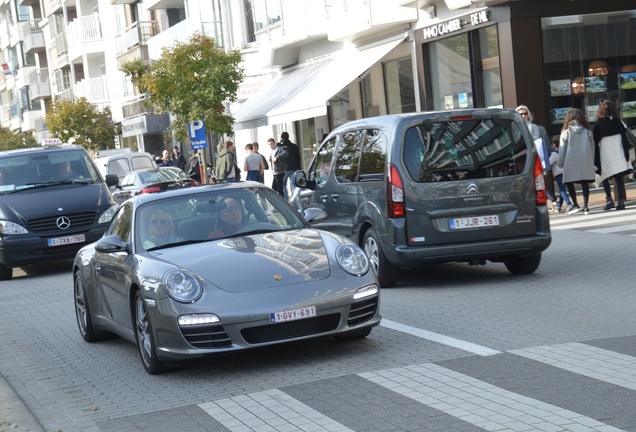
{"x":611,"y":156}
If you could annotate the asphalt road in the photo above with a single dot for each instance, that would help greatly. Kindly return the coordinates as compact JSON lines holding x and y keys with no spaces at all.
{"x":461,"y":348}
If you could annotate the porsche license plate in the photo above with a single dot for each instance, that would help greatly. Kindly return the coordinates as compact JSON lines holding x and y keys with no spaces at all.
{"x":292,"y":315}
{"x":58,"y":241}
{"x":474,"y":222}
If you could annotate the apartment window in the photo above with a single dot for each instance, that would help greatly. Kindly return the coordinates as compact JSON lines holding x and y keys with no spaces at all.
{"x":22,"y":12}
{"x":267,"y":14}
{"x":249,"y":21}
{"x":398,"y":84}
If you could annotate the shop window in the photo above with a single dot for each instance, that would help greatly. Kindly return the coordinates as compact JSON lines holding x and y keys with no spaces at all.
{"x":491,"y":72}
{"x":339,"y":109}
{"x":399,"y":87}
{"x":450,"y":73}
{"x":589,"y":58}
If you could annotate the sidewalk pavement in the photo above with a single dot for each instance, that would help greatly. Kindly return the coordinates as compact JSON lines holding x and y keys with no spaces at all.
{"x":16,"y":417}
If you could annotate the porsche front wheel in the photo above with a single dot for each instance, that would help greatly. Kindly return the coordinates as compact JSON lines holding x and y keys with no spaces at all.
{"x":145,"y":339}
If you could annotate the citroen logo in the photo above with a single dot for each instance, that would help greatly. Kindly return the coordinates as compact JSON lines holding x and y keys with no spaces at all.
{"x":472,"y":188}
{"x":63,"y":222}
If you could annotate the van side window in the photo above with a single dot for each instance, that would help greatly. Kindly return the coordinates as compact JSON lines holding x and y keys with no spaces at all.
{"x":321,"y":169}
{"x":119,"y":167}
{"x":373,"y":161}
{"x":140,"y":162}
{"x":348,"y":157}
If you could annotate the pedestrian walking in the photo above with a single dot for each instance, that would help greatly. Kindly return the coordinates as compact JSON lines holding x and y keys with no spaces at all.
{"x":557,"y":174}
{"x":293,"y":161}
{"x":611,"y":152}
{"x":576,"y":157}
{"x":278,"y":164}
{"x":225,"y":163}
{"x":178,"y":158}
{"x":253,"y":165}
{"x":265,"y":164}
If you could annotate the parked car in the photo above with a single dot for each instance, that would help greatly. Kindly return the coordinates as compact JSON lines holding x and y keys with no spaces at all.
{"x":123,"y":161}
{"x":151,"y":180}
{"x":433,"y":187}
{"x":213,"y":269}
{"x":53,"y":201}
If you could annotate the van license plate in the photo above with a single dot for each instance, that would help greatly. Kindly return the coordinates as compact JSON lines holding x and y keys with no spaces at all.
{"x":292,"y":315}
{"x":58,"y":241}
{"x":474,"y":222}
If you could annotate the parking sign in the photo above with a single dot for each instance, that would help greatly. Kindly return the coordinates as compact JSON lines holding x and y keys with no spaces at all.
{"x":198,"y":139}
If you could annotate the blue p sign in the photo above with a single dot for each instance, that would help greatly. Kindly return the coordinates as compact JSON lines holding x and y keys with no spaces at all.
{"x":198,"y":139}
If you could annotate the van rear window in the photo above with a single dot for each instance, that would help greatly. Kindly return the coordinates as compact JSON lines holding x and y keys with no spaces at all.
{"x":465,"y":149}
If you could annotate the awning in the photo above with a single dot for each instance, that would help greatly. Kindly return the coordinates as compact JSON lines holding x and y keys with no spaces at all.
{"x":303,"y":92}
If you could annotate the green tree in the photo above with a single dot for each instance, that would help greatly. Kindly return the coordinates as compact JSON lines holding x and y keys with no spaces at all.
{"x":82,"y":123}
{"x":10,"y":140}
{"x":192,"y":81}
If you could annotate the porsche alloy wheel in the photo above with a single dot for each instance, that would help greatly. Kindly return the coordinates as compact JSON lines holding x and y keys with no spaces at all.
{"x":145,"y":340}
{"x":83,"y":311}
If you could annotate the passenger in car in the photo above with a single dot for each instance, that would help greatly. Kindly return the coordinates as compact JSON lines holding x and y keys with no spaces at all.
{"x":231,"y":219}
{"x":161,"y":230}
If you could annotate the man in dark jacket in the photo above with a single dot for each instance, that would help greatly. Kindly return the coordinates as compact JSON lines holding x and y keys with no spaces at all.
{"x":293,"y":160}
{"x":178,"y":158}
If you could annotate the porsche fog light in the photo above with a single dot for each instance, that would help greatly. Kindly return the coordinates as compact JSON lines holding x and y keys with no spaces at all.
{"x":182,"y":286}
{"x":198,"y":319}
{"x":9,"y":228}
{"x":108,"y":215}
{"x":352,"y":259}
{"x":366,"y":291}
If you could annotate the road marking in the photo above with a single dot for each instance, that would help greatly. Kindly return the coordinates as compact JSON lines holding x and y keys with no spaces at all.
{"x":589,"y":222}
{"x":603,"y":365}
{"x":480,"y":403}
{"x":439,"y":338}
{"x":270,"y":410}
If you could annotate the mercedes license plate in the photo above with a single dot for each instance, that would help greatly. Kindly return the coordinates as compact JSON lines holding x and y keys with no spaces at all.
{"x":59,"y":241}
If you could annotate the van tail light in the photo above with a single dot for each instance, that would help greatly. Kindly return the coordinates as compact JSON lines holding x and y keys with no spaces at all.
{"x":150,"y":189}
{"x":395,"y":191}
{"x":539,"y":182}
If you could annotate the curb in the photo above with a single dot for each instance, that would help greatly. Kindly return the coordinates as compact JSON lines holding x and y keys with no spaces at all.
{"x":14,"y":414}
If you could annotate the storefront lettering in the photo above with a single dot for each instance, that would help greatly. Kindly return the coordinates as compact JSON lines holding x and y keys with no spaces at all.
{"x":457,"y":24}
{"x":443,"y":28}
{"x":479,"y":17}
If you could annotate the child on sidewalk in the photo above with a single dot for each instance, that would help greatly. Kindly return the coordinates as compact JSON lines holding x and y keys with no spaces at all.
{"x":557,"y":173}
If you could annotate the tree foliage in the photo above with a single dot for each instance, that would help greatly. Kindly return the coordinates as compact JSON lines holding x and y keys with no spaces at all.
{"x":192,"y":81}
{"x":10,"y":140}
{"x":82,"y":123}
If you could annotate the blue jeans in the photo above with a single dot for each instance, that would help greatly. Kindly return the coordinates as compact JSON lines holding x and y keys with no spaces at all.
{"x":563,"y":195}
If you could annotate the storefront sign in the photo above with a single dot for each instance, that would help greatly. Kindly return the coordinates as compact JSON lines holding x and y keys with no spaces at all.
{"x":133,"y":127}
{"x":466,"y":22}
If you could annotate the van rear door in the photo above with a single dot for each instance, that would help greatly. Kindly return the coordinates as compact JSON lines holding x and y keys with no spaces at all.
{"x":468,"y":178}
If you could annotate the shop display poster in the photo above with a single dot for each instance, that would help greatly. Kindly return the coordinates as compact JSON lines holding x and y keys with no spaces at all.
{"x":561,"y":87}
{"x":627,"y":81}
{"x":595,"y":84}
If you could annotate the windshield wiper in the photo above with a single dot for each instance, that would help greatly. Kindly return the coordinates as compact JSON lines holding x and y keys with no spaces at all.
{"x":181,"y":243}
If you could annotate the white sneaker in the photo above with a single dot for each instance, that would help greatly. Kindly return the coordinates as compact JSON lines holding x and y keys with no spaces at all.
{"x":574,"y":210}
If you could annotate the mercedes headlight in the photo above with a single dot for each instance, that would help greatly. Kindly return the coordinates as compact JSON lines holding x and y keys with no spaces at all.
{"x":9,"y":228}
{"x":182,"y":286}
{"x":108,"y":215}
{"x":352,"y":259}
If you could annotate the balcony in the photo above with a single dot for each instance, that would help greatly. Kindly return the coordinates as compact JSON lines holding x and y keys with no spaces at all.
{"x":84,"y":36}
{"x":179,"y":32}
{"x":352,"y":20}
{"x":93,"y":89}
{"x":40,"y":87}
{"x":29,"y":119}
{"x":22,"y":76}
{"x":132,"y":42}
{"x":28,"y":3}
{"x":33,"y":37}
{"x":6,"y":116}
{"x":165,"y":4}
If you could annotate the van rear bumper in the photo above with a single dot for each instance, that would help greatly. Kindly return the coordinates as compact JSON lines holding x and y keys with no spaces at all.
{"x":405,"y":257}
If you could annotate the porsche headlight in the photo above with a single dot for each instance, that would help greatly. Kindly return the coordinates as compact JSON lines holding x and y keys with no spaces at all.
{"x":108,"y":215}
{"x":8,"y":228}
{"x":182,"y":286}
{"x":352,"y":259}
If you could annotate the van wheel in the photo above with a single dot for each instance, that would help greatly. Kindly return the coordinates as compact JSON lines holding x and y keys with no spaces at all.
{"x":384,"y":270}
{"x":6,"y":273}
{"x":523,"y":265}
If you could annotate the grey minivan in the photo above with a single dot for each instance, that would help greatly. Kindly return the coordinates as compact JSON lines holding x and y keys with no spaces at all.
{"x":413,"y":189}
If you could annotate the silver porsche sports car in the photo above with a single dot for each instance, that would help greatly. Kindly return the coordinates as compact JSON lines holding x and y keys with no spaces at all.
{"x":201,"y":271}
